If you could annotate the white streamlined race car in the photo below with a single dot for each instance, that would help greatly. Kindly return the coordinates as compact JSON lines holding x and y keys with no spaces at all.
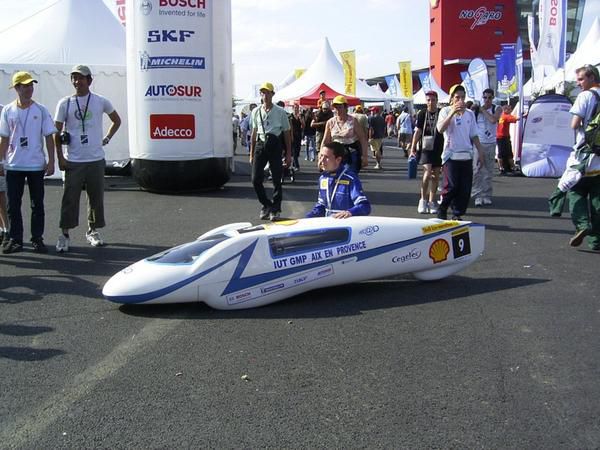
{"x":240,"y":266}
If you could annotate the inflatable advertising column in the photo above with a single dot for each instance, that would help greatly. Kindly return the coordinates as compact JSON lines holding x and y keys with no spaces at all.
{"x":179,"y":88}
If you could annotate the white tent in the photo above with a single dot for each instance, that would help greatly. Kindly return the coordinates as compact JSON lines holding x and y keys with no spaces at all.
{"x":420,"y":99}
{"x":588,"y":52}
{"x":52,"y":41}
{"x":328,"y":69}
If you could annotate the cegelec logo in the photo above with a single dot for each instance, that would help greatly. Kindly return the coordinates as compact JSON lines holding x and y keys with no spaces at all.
{"x":172,"y":126}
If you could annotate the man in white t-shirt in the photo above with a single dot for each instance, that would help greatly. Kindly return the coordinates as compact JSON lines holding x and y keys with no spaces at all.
{"x":487,"y":116}
{"x":24,"y":127}
{"x":3,"y":216}
{"x":78,"y":119}
{"x":458,"y":124}
{"x":584,"y":196}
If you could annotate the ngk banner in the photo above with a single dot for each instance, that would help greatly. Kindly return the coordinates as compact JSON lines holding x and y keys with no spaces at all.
{"x":179,"y":82}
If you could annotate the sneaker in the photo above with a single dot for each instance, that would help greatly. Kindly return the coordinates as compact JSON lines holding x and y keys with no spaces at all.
{"x":39,"y":246}
{"x":478,"y":202}
{"x":442,"y":214}
{"x":264,"y":213}
{"x":487,"y":201}
{"x":578,"y":237}
{"x":274,"y":215}
{"x":62,"y":244}
{"x":94,"y":238}
{"x":3,"y":237}
{"x":422,"y":208}
{"x":433,"y":207}
{"x":12,"y":247}
{"x":377,"y":166}
{"x":456,"y":217}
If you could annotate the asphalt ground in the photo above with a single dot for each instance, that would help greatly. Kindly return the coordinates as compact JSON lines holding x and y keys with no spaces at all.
{"x":503,"y":355}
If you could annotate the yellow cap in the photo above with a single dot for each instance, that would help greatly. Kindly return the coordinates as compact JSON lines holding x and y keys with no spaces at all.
{"x":358,"y":109}
{"x":453,"y":88}
{"x":340,"y":100}
{"x":22,"y":78}
{"x":267,"y":87}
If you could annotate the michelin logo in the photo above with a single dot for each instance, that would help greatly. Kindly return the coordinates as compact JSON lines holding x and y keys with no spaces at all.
{"x":148,"y":62}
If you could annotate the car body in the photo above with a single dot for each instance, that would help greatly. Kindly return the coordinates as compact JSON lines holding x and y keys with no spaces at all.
{"x":240,"y":266}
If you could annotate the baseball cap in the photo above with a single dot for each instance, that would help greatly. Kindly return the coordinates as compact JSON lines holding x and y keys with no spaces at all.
{"x":456,"y":87}
{"x":22,"y":78}
{"x":267,"y":87}
{"x":432,"y":93}
{"x":340,"y":100}
{"x":358,"y":109}
{"x":83,"y":70}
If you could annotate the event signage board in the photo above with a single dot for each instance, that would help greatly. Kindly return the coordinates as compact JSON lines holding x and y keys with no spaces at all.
{"x":179,"y":84}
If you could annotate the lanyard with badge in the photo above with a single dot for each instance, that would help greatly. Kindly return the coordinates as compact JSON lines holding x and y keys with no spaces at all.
{"x":84,"y":136}
{"x":23,"y":140}
{"x":337,"y":182}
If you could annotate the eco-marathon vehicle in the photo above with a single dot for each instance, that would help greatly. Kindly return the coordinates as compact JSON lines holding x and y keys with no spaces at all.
{"x":240,"y":266}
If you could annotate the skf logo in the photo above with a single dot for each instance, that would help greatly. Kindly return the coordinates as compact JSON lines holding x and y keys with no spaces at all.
{"x":199,"y":4}
{"x":172,"y":126}
{"x":169,"y":35}
{"x":170,"y":90}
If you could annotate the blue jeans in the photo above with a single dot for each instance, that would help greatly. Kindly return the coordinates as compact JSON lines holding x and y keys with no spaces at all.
{"x":15,"y":187}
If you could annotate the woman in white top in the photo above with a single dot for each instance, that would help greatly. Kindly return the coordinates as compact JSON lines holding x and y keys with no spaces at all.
{"x":345,"y":129}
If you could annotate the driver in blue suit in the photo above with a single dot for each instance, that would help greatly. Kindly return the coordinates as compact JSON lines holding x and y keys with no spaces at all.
{"x":340,"y":191}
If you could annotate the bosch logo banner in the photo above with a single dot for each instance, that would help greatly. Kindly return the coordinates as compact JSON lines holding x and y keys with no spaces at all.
{"x":169,"y":35}
{"x":171,"y":90}
{"x":172,"y":126}
{"x":200,"y":4}
{"x":189,"y":8}
{"x":148,"y":62}
{"x":480,"y":16}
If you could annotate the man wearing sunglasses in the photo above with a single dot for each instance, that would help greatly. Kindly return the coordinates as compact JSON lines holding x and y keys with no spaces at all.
{"x":487,"y":116}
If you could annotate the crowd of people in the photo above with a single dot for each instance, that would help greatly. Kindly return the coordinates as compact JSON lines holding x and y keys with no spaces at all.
{"x":459,"y":147}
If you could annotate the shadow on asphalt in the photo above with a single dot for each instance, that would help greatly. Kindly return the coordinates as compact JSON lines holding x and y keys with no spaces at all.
{"x":347,"y":300}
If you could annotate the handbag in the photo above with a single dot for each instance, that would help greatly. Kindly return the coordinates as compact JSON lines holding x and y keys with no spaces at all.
{"x":428,"y":142}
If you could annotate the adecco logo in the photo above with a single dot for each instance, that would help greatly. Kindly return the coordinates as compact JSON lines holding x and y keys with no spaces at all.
{"x":172,"y":126}
{"x":480,"y":16}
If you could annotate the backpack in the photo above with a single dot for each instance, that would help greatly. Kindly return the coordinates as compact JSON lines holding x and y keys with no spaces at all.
{"x":592,"y":129}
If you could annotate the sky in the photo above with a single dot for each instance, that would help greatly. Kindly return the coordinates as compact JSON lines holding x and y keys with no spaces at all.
{"x":272,"y":38}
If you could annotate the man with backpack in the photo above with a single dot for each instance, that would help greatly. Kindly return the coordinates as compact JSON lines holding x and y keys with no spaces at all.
{"x":584,"y":196}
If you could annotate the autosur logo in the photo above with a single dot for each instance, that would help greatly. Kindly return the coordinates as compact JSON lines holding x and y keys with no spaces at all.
{"x":480,"y":16}
{"x":172,"y":126}
{"x":145,"y":7}
{"x":173,"y":90}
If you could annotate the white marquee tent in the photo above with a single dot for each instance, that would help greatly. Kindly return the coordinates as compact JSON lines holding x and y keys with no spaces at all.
{"x":420,"y":99}
{"x":588,"y":52}
{"x":53,"y":40}
{"x":327,"y":69}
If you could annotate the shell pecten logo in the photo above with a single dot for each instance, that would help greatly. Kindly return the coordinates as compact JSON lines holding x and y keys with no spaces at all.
{"x":438,"y":252}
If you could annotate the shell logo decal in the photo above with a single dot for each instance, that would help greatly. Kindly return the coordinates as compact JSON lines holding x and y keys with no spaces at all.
{"x":439,"y":250}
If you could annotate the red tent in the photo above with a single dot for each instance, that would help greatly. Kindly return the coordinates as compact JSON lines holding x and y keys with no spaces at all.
{"x":310,"y":98}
